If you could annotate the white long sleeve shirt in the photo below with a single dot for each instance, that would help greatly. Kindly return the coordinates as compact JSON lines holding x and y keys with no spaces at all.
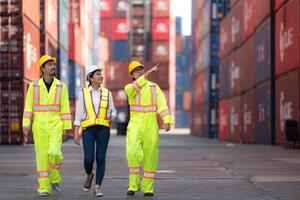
{"x":81,"y":112}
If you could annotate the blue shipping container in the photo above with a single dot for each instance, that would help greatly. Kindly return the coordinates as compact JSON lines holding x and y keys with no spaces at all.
{"x":262,"y":52}
{"x":178,"y":26}
{"x":179,"y":100}
{"x":186,"y":44}
{"x":120,"y":51}
{"x":63,"y":67}
{"x":210,"y":46}
{"x":75,"y":85}
{"x":182,"y":119}
{"x":63,"y":24}
{"x":262,"y":113}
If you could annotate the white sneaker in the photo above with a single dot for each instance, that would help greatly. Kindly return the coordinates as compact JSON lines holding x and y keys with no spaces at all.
{"x":98,"y":193}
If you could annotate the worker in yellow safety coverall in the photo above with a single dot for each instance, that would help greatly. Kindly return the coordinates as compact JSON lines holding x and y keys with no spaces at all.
{"x":47,"y":108}
{"x":145,"y":99}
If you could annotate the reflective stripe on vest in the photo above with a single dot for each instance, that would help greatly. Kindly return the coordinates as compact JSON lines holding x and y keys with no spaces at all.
{"x":91,"y":118}
{"x":137,"y":107}
{"x":37,"y":107}
{"x":27,"y":115}
{"x":164,"y":113}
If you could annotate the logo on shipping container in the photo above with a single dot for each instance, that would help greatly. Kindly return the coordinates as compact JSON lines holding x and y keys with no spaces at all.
{"x":161,"y":50}
{"x":261,"y":52}
{"x":235,"y":28}
{"x":247,"y":118}
{"x":234,"y":74}
{"x":286,"y":109}
{"x":104,"y":6}
{"x":122,"y":6}
{"x":285,"y":40}
{"x":247,"y":14}
{"x":234,"y":120}
{"x":31,"y":51}
{"x":261,"y":112}
{"x":122,"y":28}
{"x":161,"y":28}
{"x":51,"y":13}
{"x":161,"y":5}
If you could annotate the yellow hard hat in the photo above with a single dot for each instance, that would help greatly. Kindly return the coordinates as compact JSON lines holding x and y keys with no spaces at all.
{"x":133,"y":65}
{"x":44,"y":59}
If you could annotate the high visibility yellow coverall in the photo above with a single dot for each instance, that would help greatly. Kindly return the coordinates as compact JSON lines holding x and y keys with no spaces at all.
{"x":50,"y":112}
{"x":145,"y":100}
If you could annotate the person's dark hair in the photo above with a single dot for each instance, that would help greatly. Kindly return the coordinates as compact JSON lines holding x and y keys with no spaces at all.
{"x":91,"y":75}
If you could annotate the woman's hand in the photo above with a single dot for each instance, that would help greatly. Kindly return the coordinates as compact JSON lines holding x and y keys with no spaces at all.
{"x":77,"y":139}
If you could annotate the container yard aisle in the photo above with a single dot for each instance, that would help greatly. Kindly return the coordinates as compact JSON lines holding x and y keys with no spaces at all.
{"x":208,"y":169}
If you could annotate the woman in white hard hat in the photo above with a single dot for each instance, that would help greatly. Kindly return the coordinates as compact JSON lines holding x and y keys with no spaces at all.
{"x":95,"y":113}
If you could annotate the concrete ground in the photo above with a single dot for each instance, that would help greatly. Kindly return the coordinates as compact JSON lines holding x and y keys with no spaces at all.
{"x":189,"y":168}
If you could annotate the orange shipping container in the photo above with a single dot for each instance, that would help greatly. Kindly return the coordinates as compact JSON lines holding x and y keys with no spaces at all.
{"x":186,"y":100}
{"x":31,"y":50}
{"x":31,"y":8}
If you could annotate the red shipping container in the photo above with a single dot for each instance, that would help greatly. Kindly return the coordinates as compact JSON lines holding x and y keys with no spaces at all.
{"x":248,"y":117}
{"x":120,"y":98}
{"x":196,"y":121}
{"x":248,"y":64}
{"x":279,"y":3}
{"x":237,"y":25}
{"x":119,"y":29}
{"x":197,"y":31}
{"x":287,"y":102}
{"x":235,"y":72}
{"x":106,"y":8}
{"x":160,"y":51}
{"x":223,"y":125}
{"x":235,"y":121}
{"x":162,"y":77}
{"x":31,"y":50}
{"x":199,"y":90}
{"x":106,"y":28}
{"x":248,"y":18}
{"x":51,"y":18}
{"x":161,"y":8}
{"x":51,"y":46}
{"x":75,"y":43}
{"x":31,"y":8}
{"x":74,"y":11}
{"x":161,"y":29}
{"x":116,"y":75}
{"x":120,"y":8}
{"x":225,"y":36}
{"x":198,"y":61}
{"x":287,"y":37}
{"x":232,"y":3}
{"x":138,"y":11}
{"x":262,"y":10}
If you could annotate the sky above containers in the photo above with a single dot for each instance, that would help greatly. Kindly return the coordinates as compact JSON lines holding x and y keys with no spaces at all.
{"x":183,"y":9}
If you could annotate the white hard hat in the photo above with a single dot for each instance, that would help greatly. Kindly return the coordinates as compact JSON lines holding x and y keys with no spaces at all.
{"x":91,"y":69}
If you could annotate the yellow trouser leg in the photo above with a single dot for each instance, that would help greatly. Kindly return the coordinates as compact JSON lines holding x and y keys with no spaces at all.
{"x":41,"y":147}
{"x":134,"y":155}
{"x":150,"y":159}
{"x":55,"y":155}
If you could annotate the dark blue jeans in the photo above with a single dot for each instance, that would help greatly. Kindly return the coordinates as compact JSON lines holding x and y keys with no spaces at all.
{"x":95,"y":136}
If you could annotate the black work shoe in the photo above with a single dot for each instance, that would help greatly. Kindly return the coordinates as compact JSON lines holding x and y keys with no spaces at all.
{"x":88,"y":182}
{"x":130,"y":193}
{"x":56,"y":187}
{"x":149,"y":194}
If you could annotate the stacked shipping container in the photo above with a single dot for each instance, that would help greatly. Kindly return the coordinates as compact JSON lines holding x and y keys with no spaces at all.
{"x":245,"y":73}
{"x":19,"y":53}
{"x":204,"y":75}
{"x":182,"y":78}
